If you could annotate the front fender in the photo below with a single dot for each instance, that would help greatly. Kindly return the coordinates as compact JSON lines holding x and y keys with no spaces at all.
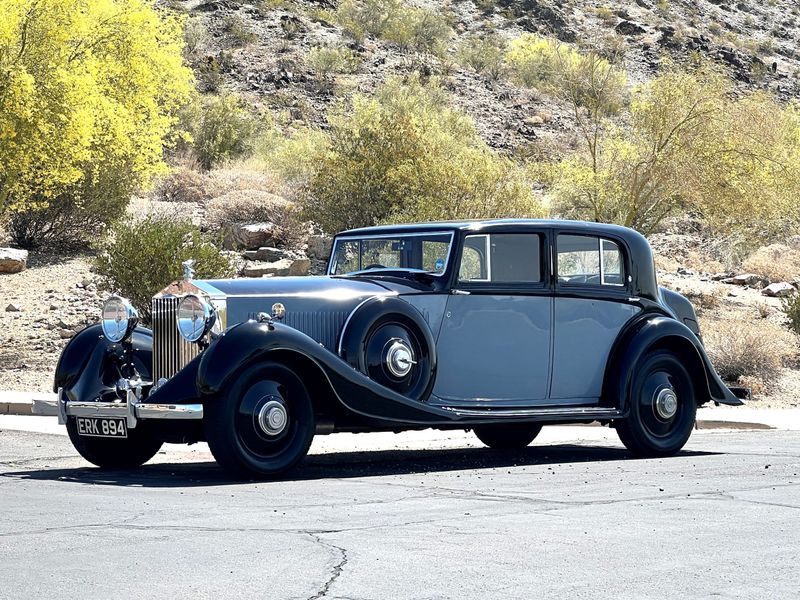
{"x":653,"y":331}
{"x":251,"y":342}
{"x":90,"y":365}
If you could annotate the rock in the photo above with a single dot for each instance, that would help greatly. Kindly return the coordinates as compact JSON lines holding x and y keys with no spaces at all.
{"x":534,"y":121}
{"x":744,"y":279}
{"x":13,"y":260}
{"x":280,"y":267}
{"x":778,"y":290}
{"x":250,"y":254}
{"x":319,"y":246}
{"x":13,"y":308}
{"x":65,"y":334}
{"x":271,"y":254}
{"x":251,"y":236}
{"x":300,"y":266}
{"x":629,"y":28}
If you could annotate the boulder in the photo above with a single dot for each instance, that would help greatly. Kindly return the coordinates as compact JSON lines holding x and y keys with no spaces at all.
{"x":13,"y":260}
{"x":13,"y":308}
{"x":319,"y":246}
{"x":259,"y":269}
{"x":629,"y":28}
{"x":271,"y":254}
{"x":250,"y":236}
{"x":300,"y":266}
{"x":779,"y":290}
{"x":744,"y":279}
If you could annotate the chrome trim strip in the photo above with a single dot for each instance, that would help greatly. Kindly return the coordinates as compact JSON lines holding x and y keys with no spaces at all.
{"x":119,"y":410}
{"x":593,"y":413}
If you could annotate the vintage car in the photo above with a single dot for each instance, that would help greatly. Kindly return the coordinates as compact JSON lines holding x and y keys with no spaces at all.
{"x":497,"y":326}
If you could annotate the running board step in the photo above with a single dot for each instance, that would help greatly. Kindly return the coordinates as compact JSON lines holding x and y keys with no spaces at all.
{"x":566,"y":413}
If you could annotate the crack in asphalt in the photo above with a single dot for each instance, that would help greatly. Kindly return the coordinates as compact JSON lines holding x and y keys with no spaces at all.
{"x":336,"y":571}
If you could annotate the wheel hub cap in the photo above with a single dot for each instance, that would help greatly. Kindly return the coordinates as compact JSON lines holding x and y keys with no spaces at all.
{"x":666,"y":403}
{"x":273,"y":418}
{"x":399,"y":358}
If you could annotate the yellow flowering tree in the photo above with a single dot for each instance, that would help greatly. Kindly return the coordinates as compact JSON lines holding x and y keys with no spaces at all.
{"x":89,"y":91}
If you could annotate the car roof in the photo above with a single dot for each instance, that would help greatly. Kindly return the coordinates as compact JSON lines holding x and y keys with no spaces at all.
{"x":489,"y":224}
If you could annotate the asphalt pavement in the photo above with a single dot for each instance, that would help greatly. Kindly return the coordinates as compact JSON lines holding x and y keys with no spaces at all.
{"x":417,"y":515}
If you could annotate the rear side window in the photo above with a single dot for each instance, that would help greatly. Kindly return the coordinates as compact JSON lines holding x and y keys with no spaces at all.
{"x":585,"y":259}
{"x":502,"y":258}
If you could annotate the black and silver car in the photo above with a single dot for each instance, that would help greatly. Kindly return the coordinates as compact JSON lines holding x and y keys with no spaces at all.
{"x":497,"y":326}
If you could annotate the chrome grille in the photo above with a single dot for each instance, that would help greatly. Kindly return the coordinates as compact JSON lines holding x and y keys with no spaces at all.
{"x":322,"y":326}
{"x":170,"y":351}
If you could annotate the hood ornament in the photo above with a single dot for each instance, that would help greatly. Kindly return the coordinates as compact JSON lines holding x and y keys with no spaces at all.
{"x":188,"y":269}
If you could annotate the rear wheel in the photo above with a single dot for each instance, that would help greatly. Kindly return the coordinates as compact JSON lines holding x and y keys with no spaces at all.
{"x":111,"y":453}
{"x":264,"y":425}
{"x":662,"y":407}
{"x":509,"y":436}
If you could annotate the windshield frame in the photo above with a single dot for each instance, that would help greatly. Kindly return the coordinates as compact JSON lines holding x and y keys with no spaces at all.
{"x":350,"y":238}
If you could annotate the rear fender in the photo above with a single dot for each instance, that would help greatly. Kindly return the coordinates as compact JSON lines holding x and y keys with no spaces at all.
{"x":651,"y":332}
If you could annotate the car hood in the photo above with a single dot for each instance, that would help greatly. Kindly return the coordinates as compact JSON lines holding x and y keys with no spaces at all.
{"x":326,"y":288}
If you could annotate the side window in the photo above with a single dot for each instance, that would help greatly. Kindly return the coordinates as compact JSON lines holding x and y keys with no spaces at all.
{"x":584,"y":259}
{"x":502,"y":258}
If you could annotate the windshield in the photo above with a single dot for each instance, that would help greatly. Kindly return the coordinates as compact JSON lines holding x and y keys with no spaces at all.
{"x":421,"y":252}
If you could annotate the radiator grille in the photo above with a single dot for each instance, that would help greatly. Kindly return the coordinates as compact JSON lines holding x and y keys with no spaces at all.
{"x":170,"y":351}
{"x":322,"y":326}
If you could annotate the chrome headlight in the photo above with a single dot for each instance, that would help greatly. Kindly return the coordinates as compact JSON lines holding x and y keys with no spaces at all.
{"x":196,"y":317}
{"x":118,"y":319}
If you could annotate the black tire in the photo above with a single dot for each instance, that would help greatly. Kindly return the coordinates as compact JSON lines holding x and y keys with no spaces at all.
{"x":237,"y":424}
{"x":508,"y":437}
{"x":652,"y":429}
{"x":110,"y":453}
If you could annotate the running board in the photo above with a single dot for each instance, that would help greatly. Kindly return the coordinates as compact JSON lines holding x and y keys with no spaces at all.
{"x":572,"y":413}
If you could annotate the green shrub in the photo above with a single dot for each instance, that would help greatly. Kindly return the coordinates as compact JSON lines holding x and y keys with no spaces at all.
{"x":326,"y":61}
{"x":221,"y":128}
{"x":139,"y":259}
{"x":483,"y":53}
{"x":404,"y":154}
{"x":77,"y":216}
{"x":420,"y":29}
{"x":791,"y":308}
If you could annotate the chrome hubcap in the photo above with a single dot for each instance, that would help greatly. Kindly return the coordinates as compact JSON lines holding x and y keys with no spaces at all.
{"x":666,"y":403}
{"x":273,"y":418}
{"x":399,"y":358}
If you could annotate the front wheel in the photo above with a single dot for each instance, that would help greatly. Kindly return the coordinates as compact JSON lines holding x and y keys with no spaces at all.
{"x":511,"y":436}
{"x":263,"y":426}
{"x":662,"y":407}
{"x":113,"y":453}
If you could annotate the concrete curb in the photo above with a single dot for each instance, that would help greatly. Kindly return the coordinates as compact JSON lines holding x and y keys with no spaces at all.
{"x":20,"y":403}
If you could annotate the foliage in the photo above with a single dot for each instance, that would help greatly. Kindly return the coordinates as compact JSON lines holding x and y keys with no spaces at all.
{"x":326,"y":61}
{"x":740,"y":348}
{"x":686,"y":144}
{"x":252,"y":206}
{"x":775,"y":263}
{"x":421,"y":29}
{"x":404,"y":154}
{"x":220,"y":128}
{"x":235,"y":32}
{"x":483,"y":53}
{"x":138,"y":259}
{"x":791,"y":308}
{"x":89,"y":96}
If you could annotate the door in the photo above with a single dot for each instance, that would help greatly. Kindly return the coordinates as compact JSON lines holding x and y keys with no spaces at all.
{"x":591,"y":307}
{"x":494,"y":343}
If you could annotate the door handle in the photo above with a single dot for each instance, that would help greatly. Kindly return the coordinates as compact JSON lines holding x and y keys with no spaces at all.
{"x":459,"y":292}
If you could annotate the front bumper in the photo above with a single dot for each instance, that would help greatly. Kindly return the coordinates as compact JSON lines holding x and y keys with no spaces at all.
{"x":131,"y":409}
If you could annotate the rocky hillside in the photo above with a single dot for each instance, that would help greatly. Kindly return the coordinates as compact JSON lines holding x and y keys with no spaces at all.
{"x":261,"y":50}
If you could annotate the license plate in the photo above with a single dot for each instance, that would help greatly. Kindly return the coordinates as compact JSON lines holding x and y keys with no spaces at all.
{"x":102,"y":427}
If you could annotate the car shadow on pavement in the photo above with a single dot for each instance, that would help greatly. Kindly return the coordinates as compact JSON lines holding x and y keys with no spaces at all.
{"x":341,"y":465}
